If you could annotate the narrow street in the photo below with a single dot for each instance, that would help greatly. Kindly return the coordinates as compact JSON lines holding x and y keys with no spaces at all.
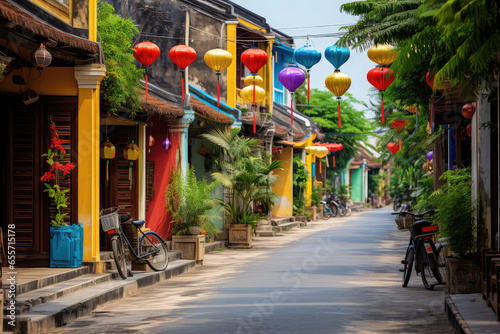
{"x":335,"y":276}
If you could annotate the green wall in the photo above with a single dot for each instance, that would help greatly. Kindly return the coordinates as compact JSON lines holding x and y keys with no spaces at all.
{"x":357,"y":185}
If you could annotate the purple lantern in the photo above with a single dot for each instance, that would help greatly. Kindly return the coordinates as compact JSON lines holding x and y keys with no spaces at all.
{"x":292,"y":77}
{"x":430,"y":155}
{"x":166,"y":144}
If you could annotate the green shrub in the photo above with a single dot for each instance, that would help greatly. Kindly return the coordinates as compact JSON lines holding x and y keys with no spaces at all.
{"x":316,"y":196}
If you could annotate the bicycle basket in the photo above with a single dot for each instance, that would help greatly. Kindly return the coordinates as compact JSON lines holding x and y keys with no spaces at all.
{"x":110,"y":221}
{"x":404,"y":223}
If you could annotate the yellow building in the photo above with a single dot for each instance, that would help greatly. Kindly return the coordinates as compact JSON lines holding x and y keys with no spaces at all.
{"x":66,"y":91}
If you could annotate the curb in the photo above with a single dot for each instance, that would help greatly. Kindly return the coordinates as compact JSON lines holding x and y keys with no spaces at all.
{"x":455,"y":317}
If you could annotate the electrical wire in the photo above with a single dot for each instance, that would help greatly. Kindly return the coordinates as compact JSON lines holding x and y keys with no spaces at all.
{"x":321,"y":26}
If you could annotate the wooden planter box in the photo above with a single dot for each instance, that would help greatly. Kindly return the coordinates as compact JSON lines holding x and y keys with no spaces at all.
{"x":313,"y":211}
{"x":463,"y":276}
{"x":191,"y":246}
{"x":240,"y":236}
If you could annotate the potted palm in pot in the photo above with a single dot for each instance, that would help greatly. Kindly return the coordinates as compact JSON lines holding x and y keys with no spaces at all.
{"x":189,"y":201}
{"x":246,"y":170}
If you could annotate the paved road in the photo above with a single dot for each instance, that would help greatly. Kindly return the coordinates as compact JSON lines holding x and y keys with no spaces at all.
{"x":339,"y":276}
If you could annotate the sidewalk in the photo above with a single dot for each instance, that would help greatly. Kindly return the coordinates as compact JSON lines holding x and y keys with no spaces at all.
{"x":469,"y":314}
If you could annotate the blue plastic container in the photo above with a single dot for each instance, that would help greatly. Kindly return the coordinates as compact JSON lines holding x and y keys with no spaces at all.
{"x":66,"y":246}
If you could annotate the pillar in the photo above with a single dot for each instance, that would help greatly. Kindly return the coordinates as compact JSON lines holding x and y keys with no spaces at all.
{"x":89,"y":78}
{"x":183,"y":130}
{"x":231,"y":70}
{"x":141,"y":200}
{"x":269,"y":75}
{"x":284,"y":184}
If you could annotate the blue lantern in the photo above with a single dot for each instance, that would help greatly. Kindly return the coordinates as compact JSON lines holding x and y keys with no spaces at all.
{"x":307,"y":56}
{"x":336,"y":55}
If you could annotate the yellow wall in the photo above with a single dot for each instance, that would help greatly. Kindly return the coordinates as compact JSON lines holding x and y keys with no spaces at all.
{"x":284,"y":185}
{"x":309,"y":160}
{"x":49,"y":81}
{"x":231,"y":70}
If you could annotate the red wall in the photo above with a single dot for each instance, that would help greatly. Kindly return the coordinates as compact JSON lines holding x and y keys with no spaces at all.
{"x":157,"y":217}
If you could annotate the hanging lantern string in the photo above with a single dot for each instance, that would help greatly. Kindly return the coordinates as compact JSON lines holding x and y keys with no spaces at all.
{"x":340,"y":124}
{"x":218,"y":89}
{"x":254,"y":88}
{"x":308,"y":86}
{"x":254,"y":106}
{"x":183,"y":73}
{"x":383,"y":116}
{"x":292,"y":110}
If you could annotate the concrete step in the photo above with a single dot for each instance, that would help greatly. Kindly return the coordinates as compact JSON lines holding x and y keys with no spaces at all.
{"x":266,"y":233}
{"x":56,"y":313}
{"x":25,"y":302}
{"x":45,"y":279}
{"x":286,"y":226}
{"x":275,"y":221}
{"x":211,"y":246}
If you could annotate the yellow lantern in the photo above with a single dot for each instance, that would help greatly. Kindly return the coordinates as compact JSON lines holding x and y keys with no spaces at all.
{"x":318,"y":151}
{"x":131,"y":153}
{"x":218,"y":60}
{"x":247,"y":94}
{"x":338,"y":83}
{"x":108,"y":151}
{"x":384,"y":54}
{"x":258,"y":81}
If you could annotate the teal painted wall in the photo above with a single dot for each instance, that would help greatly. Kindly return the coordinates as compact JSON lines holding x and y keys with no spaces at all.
{"x":198,"y":162}
{"x":357,"y":185}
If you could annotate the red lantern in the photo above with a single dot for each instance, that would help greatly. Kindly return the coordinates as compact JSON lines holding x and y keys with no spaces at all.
{"x":468,"y":110}
{"x":379,"y":78}
{"x":393,"y":147}
{"x":469,"y":130}
{"x":254,"y":59}
{"x":182,"y":56}
{"x":332,"y":148}
{"x":146,"y":53}
{"x":399,"y":126}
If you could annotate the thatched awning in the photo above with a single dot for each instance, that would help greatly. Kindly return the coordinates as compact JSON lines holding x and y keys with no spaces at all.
{"x":282,"y":131}
{"x":27,"y":23}
{"x":207,"y":112}
{"x":155,"y":106}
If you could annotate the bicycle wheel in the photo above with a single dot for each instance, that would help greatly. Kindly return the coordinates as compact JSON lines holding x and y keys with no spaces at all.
{"x":348,"y":212}
{"x":341,"y":211}
{"x":441,"y":266}
{"x":326,"y":215}
{"x":119,"y":255}
{"x":408,"y":262}
{"x":154,"y":244}
{"x":425,"y":269}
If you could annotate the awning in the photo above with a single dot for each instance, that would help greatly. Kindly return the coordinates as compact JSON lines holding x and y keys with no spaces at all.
{"x":25,"y":23}
{"x":159,"y":107}
{"x":206,"y":106}
{"x":285,"y":143}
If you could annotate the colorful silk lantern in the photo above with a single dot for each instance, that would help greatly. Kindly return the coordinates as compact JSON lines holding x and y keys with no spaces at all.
{"x":146,"y":53}
{"x":430,"y":155}
{"x":307,"y":56}
{"x":182,"y":56}
{"x":151,"y":141}
{"x":399,"y":126}
{"x":381,"y":78}
{"x":131,"y":153}
{"x":337,"y":55}
{"x":254,"y":59}
{"x":41,"y":57}
{"x":318,"y":151}
{"x":468,"y":110}
{"x":108,"y":152}
{"x":248,"y":81}
{"x":166,"y":144}
{"x":292,"y":77}
{"x":425,"y":167}
{"x":469,"y":130}
{"x":332,"y":148}
{"x":218,"y":60}
{"x":253,"y":94}
{"x":393,"y":147}
{"x":338,"y":83}
{"x":383,"y":54}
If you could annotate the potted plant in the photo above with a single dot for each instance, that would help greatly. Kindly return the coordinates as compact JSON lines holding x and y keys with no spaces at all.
{"x":246,"y":170}
{"x":66,"y":241}
{"x":315,"y":202}
{"x":189,"y":201}
{"x":456,"y":222}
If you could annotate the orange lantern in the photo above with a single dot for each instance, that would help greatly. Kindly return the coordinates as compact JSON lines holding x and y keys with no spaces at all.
{"x":108,"y":152}
{"x":468,"y":110}
{"x":131,"y":153}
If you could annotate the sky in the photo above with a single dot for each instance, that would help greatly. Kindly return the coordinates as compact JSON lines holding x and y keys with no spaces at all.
{"x":304,"y":16}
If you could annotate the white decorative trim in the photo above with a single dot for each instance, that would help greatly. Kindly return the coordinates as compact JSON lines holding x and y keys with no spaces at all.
{"x":90,"y":76}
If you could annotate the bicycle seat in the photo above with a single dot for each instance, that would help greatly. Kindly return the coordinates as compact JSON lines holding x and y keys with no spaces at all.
{"x":139,"y":223}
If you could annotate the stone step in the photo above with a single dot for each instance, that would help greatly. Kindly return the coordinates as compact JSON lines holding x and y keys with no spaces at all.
{"x":45,"y":317}
{"x":266,"y":233}
{"x":48,"y":277}
{"x":211,"y":246}
{"x":25,"y":302}
{"x":287,"y":226}
{"x":275,"y":221}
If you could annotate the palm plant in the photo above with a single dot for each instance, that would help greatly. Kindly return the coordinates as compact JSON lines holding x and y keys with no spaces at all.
{"x":246,"y":170}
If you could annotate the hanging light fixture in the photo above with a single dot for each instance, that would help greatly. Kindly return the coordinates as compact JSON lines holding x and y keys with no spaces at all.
{"x":254,"y":59}
{"x":166,"y":144}
{"x":338,"y":83}
{"x":41,"y":57}
{"x":131,"y":153}
{"x":468,"y":110}
{"x":381,"y":78}
{"x":393,"y":147}
{"x":292,"y":77}
{"x":307,"y":56}
{"x":218,"y":60}
{"x":108,"y":152}
{"x":253,"y":94}
{"x":182,"y":56}
{"x":399,"y":126}
{"x":146,"y":53}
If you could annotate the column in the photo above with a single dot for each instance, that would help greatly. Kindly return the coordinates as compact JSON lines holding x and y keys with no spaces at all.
{"x":231,"y":70}
{"x":269,"y":75}
{"x":89,"y":78}
{"x":183,"y":130}
{"x":141,"y":200}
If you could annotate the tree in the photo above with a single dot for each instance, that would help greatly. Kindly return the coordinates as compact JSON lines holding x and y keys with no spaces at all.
{"x":122,"y":76}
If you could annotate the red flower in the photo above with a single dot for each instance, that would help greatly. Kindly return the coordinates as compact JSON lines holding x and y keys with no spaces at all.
{"x":48,"y":176}
{"x":67,"y":168}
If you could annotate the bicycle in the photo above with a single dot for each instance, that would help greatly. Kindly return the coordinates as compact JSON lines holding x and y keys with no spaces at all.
{"x":428,"y":257}
{"x":151,"y":248}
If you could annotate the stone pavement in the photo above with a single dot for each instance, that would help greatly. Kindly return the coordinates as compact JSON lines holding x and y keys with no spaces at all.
{"x":469,"y":314}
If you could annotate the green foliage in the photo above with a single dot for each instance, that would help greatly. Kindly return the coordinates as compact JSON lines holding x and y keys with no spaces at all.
{"x":60,"y":199}
{"x":422,"y":195}
{"x":316,"y":196}
{"x":246,"y":170}
{"x":344,"y":190}
{"x":189,"y":201}
{"x":300,"y":177}
{"x":122,"y":76}
{"x":455,"y":217}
